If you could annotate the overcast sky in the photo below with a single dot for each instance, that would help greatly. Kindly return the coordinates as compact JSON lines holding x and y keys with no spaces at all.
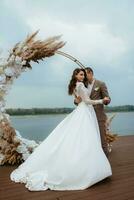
{"x":98,"y":33}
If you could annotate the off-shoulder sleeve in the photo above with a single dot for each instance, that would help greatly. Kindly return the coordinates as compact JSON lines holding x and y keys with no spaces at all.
{"x":83,"y":93}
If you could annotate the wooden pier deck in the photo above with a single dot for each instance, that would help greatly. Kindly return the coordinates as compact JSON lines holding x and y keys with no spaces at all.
{"x":119,"y":187}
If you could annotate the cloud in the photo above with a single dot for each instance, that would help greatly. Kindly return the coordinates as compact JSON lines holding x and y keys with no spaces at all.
{"x":99,"y":34}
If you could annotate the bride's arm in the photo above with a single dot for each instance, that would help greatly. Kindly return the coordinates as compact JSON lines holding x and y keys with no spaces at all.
{"x":82,"y":91}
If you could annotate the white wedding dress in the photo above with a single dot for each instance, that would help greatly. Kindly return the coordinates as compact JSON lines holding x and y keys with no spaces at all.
{"x":71,"y":157}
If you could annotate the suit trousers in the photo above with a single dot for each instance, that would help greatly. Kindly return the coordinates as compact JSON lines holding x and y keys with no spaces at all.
{"x":102,"y":127}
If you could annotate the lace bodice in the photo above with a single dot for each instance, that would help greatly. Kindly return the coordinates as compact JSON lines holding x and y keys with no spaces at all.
{"x":82,"y":91}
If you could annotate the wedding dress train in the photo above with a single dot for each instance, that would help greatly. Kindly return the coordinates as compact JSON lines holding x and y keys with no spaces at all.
{"x":71,"y":157}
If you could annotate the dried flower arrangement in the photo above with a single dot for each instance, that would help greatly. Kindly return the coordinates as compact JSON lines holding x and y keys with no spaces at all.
{"x":13,"y":148}
{"x":110,"y":137}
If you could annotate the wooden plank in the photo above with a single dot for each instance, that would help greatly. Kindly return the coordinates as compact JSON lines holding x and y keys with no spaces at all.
{"x":119,"y":187}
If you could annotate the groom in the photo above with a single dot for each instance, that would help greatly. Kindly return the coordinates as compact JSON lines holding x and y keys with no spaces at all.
{"x":98,"y":90}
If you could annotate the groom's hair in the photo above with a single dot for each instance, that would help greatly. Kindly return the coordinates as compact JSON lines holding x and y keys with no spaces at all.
{"x":89,"y":69}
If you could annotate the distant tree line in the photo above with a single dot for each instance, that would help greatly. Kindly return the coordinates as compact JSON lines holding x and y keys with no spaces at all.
{"x":37,"y":111}
{"x":42,"y":111}
{"x":125,"y":108}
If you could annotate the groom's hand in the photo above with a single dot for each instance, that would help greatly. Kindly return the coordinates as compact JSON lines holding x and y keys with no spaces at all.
{"x":106,"y":100}
{"x":77,"y":100}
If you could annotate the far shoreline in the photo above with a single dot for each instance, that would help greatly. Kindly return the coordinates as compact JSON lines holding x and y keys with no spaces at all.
{"x":55,"y":111}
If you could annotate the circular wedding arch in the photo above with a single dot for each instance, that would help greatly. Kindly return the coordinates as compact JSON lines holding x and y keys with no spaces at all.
{"x":13,"y":147}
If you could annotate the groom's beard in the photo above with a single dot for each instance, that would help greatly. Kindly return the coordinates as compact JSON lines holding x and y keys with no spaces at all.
{"x":90,"y":81}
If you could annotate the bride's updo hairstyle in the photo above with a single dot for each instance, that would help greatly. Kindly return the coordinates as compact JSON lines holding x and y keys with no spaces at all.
{"x":73,"y":80}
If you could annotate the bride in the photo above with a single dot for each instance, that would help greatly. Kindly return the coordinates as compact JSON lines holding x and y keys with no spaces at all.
{"x":71,"y":157}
